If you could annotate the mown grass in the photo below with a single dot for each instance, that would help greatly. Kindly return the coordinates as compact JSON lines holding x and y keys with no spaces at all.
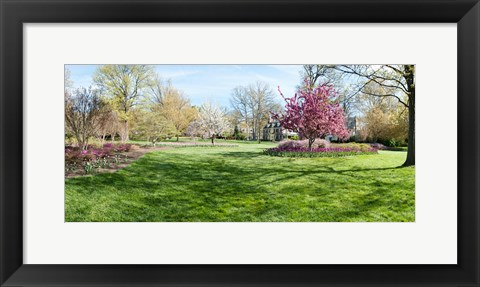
{"x":240,"y":184}
{"x":200,"y":140}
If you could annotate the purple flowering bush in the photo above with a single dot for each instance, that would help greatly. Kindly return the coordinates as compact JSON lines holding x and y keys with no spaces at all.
{"x":335,"y":150}
{"x":94,"y":157}
{"x":122,"y":147}
{"x":318,"y":143}
{"x":378,"y":146}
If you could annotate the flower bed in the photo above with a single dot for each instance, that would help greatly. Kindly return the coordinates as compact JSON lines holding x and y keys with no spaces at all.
{"x":318,"y":152}
{"x":95,"y":157}
{"x":318,"y":143}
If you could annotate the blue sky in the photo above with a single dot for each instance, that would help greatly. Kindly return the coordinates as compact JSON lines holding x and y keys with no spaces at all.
{"x":211,"y":82}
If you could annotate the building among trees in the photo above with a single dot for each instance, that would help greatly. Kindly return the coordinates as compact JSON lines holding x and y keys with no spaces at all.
{"x":273,"y":131}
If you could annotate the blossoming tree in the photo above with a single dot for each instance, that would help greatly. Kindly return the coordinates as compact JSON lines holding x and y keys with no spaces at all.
{"x":314,"y":113}
{"x":212,"y":120}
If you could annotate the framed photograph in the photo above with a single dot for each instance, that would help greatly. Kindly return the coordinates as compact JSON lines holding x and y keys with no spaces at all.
{"x":255,"y":143}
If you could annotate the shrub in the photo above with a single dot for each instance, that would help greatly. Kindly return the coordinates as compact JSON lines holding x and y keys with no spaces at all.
{"x":289,"y":144}
{"x":134,"y":147}
{"x":117,"y":147}
{"x":101,"y":153}
{"x":319,"y":152}
{"x":378,"y":146}
{"x":392,"y":143}
{"x":289,"y":151}
{"x":358,"y":146}
{"x":71,"y":155}
{"x":93,"y":157}
{"x":318,"y":143}
{"x":295,"y":138}
{"x":122,"y":147}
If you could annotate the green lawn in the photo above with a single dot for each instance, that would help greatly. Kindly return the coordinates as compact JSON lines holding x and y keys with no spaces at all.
{"x":239,"y":184}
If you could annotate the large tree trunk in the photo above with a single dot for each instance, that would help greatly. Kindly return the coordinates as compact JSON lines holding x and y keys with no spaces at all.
{"x":213,"y":139}
{"x":79,"y":141}
{"x":410,"y":79}
{"x":259,"y":133}
{"x":125,"y":137}
{"x":85,"y":143}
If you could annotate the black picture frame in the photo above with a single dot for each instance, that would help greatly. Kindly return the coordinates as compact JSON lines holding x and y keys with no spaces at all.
{"x":466,"y":13}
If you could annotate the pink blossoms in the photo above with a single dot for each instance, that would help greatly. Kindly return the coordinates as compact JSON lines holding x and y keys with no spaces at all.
{"x":314,"y":113}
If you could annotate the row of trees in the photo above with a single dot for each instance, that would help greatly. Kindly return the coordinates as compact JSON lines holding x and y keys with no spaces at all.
{"x":376,"y":95}
{"x":132,"y":100}
{"x":252,"y":106}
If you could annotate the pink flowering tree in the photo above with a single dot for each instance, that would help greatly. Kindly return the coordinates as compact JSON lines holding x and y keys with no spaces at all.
{"x":314,"y":113}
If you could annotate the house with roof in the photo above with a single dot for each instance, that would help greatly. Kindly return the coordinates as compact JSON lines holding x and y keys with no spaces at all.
{"x":273,"y":131}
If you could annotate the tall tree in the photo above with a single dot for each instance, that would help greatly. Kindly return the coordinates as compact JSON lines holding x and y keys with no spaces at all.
{"x":194,"y":129}
{"x":396,"y":81}
{"x":151,"y":125}
{"x":262,"y":104}
{"x":124,"y":85}
{"x":381,"y":119}
{"x":83,"y":114}
{"x":254,"y":103}
{"x":159,"y":88}
{"x":315,"y":75}
{"x":108,"y":123}
{"x":67,"y":80}
{"x":173,"y":105}
{"x":314,"y":113}
{"x":240,"y":101}
{"x":67,"y":87}
{"x":312,"y":75}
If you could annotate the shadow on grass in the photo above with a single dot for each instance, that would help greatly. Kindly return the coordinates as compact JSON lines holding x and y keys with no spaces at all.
{"x":241,"y":154}
{"x":235,"y":186}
